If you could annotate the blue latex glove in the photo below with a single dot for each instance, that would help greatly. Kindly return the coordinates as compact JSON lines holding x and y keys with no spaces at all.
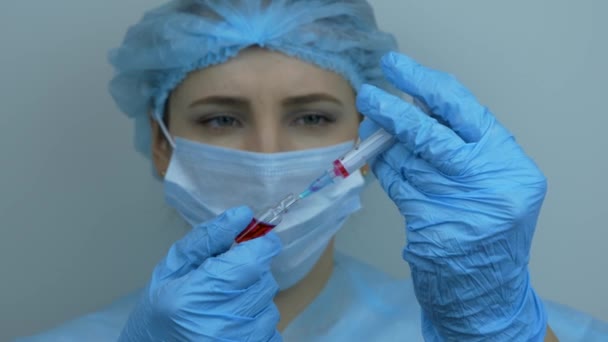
{"x":205,"y":291}
{"x":471,"y":198}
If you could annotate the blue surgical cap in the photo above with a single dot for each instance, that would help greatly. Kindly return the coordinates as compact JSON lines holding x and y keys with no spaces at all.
{"x":185,"y":35}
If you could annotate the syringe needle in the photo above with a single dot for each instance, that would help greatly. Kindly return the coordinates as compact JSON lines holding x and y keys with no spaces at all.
{"x":324,"y":180}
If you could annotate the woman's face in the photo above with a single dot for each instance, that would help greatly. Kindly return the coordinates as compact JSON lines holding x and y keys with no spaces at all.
{"x":260,"y":101}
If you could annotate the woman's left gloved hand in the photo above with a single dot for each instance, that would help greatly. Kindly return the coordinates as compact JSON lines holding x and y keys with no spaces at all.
{"x":471,"y":198}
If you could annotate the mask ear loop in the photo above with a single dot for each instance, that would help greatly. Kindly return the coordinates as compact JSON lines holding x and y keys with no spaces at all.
{"x":159,"y":119}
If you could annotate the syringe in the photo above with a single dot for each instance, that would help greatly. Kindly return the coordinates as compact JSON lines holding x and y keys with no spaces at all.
{"x":342,"y":167}
{"x":352,"y":161}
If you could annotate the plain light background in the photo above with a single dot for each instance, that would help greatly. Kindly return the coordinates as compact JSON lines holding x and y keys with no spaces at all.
{"x":83,"y":222}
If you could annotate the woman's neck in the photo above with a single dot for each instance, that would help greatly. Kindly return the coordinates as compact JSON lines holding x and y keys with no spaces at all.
{"x":294,"y":300}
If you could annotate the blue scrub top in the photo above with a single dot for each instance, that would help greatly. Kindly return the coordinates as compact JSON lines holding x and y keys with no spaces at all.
{"x":359,"y":303}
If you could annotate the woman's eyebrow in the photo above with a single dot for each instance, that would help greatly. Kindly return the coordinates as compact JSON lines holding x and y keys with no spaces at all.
{"x":221,"y":100}
{"x":310,"y":98}
{"x":243,"y":102}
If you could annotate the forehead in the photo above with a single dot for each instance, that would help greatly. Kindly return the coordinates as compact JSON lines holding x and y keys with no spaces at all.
{"x":257,"y":71}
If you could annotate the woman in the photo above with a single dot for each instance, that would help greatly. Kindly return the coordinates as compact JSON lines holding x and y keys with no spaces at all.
{"x":242,"y":102}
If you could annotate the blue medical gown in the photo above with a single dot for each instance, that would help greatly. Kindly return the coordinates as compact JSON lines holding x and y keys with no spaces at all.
{"x":359,"y":303}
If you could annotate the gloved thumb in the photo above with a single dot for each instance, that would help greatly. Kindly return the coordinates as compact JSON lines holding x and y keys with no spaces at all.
{"x":206,"y":240}
{"x":367,"y":128}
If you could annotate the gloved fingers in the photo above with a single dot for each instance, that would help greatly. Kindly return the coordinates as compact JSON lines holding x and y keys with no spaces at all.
{"x":421,"y":134}
{"x":253,"y":300}
{"x":392,"y":180}
{"x":215,"y":325}
{"x":367,"y":128}
{"x":245,"y":302}
{"x":244,"y":264}
{"x":418,"y":172}
{"x":205,"y":240}
{"x":269,"y":319}
{"x":262,"y":327}
{"x":442,"y":93}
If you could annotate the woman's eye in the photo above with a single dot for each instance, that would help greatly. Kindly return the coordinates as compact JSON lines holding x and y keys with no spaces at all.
{"x":313,"y":120}
{"x":220,"y":122}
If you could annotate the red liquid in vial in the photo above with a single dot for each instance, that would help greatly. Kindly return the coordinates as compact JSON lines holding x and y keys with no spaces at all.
{"x":254,"y":230}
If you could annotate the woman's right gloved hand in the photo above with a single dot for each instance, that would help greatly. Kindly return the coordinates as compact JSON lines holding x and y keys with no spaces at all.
{"x":205,"y":291}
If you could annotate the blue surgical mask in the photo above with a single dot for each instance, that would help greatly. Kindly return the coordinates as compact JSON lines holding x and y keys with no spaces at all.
{"x":203,"y":181}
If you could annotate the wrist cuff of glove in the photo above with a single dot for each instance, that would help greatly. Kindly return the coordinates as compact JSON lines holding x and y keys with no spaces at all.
{"x":528,"y":323}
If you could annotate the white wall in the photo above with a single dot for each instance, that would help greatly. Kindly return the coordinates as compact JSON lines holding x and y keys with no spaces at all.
{"x":82,"y":222}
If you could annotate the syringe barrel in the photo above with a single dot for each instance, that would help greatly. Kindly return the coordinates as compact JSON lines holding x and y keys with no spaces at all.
{"x":375,"y":144}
